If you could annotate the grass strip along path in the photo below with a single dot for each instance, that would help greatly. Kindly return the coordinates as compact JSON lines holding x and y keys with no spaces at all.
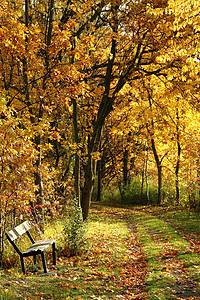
{"x":135,"y":254}
{"x":173,"y":261}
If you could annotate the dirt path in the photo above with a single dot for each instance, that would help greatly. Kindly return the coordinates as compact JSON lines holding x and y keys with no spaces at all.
{"x":136,"y":269}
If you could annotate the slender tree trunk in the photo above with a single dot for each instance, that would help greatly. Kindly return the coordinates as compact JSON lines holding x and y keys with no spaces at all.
{"x":147,"y":188}
{"x":87,"y":190}
{"x":177,"y":173}
{"x":159,"y":169}
{"x":1,"y":231}
{"x":38,"y":137}
{"x":146,"y":176}
{"x":178,"y":159}
{"x":198,"y":178}
{"x":142,"y":184}
{"x":100,"y":169}
{"x":27,"y":98}
{"x":39,"y":182}
{"x":99,"y":180}
{"x":160,"y":187}
{"x":125,"y":167}
{"x":77,"y":158}
{"x":158,"y":161}
{"x":77,"y":178}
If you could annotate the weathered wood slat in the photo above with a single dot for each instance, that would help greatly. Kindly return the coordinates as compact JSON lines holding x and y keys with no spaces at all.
{"x":39,"y":246}
{"x":19,"y":230}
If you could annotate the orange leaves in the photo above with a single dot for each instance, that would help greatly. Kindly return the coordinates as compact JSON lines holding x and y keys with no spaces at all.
{"x":17,"y":155}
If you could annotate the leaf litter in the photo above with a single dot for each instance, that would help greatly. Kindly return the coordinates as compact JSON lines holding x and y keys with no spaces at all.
{"x":116,"y":268}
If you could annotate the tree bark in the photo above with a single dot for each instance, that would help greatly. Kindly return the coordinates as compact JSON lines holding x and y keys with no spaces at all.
{"x":104,"y":110}
{"x":37,"y":141}
{"x":177,"y":173}
{"x":99,"y":181}
{"x":198,"y":177}
{"x":1,"y":231}
{"x":77,"y":158}
{"x":159,"y":168}
{"x":158,"y":161}
{"x":178,"y":158}
{"x":87,"y":190}
{"x":143,"y":177}
{"x":125,"y":167}
{"x":38,"y":182}
{"x":146,"y":176}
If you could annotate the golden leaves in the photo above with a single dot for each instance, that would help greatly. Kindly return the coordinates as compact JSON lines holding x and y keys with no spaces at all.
{"x":96,"y":155}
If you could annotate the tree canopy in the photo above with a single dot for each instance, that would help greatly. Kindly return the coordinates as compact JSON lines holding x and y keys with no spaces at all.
{"x":88,"y":89}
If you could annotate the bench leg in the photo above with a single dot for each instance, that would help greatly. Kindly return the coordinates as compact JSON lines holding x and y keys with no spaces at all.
{"x":54,"y":253}
{"x":44,"y":262}
{"x":34,"y":259}
{"x":22,"y":264}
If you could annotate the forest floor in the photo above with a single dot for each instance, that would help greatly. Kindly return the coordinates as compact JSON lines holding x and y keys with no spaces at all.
{"x":135,"y":253}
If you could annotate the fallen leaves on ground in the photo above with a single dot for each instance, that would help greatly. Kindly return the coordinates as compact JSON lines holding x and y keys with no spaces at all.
{"x":116,"y":266}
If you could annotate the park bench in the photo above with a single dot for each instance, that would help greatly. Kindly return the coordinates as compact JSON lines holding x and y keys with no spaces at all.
{"x":37,"y":248}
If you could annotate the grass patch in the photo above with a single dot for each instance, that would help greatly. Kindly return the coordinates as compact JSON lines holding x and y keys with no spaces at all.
{"x":115,"y":267}
{"x":99,"y":275}
{"x":169,"y":256}
{"x":186,"y":220}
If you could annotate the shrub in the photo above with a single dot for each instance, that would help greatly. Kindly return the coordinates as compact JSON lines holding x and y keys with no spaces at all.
{"x":74,"y":232}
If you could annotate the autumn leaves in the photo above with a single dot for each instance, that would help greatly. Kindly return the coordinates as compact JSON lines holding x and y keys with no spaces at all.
{"x":113,"y":82}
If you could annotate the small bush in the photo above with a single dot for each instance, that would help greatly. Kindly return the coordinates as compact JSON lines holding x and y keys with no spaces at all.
{"x":74,"y":233}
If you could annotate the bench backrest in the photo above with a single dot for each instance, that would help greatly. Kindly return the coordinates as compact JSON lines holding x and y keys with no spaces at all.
{"x":13,"y":234}
{"x":19,"y":230}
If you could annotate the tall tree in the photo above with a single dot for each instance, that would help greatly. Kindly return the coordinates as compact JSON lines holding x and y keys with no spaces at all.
{"x":134,"y":36}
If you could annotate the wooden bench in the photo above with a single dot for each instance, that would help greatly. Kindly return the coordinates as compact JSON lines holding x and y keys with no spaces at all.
{"x":35,"y":249}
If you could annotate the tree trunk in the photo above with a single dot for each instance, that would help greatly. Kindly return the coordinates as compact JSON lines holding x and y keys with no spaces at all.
{"x":142,"y":184}
{"x":178,"y":158}
{"x":125,"y":167}
{"x":104,"y":110}
{"x":158,"y":161}
{"x":159,"y":168}
{"x":146,"y":176}
{"x":147,"y":188}
{"x":86,"y":198}
{"x":177,"y":173}
{"x":38,"y":178}
{"x":198,"y":178}
{"x":160,"y":188}
{"x":39,"y":184}
{"x":77,"y":158}
{"x":1,"y":231}
{"x":99,"y":181}
{"x":77,"y":179}
{"x":88,"y":187}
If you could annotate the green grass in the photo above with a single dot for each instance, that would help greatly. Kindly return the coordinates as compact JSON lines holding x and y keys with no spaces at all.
{"x":106,"y":272}
{"x":181,"y":218}
{"x":169,"y":255}
{"x":83,"y":277}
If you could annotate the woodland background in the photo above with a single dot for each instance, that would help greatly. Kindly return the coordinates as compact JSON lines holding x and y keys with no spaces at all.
{"x":98,"y":96}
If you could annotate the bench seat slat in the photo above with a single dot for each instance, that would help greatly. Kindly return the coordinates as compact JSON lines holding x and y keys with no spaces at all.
{"x":39,"y":246}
